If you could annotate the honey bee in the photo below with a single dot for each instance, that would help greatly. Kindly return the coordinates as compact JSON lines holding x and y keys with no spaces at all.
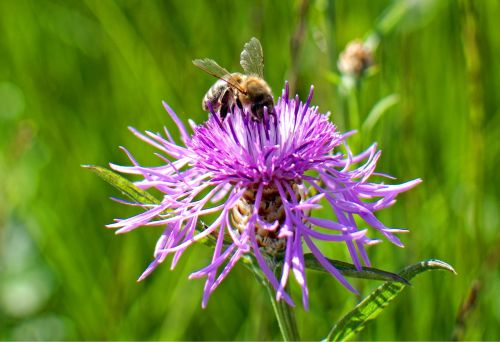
{"x":248,"y":90}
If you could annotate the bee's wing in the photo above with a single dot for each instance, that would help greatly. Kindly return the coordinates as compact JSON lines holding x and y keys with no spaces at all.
{"x":252,"y":58}
{"x":212,"y":68}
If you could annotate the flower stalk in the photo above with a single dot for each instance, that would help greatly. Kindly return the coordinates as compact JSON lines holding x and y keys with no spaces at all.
{"x":285,"y":314}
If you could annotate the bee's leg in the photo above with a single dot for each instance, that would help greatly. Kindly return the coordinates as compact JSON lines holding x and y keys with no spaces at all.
{"x":238,"y":103}
{"x":224,"y":102}
{"x":223,"y":110}
{"x":256,"y":110}
{"x":270,"y":110}
{"x":258,"y":107}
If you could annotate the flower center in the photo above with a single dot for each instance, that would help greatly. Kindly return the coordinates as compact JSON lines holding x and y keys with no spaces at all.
{"x":272,"y":215}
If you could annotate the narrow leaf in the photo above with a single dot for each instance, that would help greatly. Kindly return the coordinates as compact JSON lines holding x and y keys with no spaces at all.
{"x":378,"y":110}
{"x":377,"y":301}
{"x":349,"y":270}
{"x":128,"y":188}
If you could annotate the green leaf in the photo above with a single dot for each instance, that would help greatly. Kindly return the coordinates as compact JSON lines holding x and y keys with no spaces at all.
{"x":377,"y":301}
{"x":349,"y":270}
{"x":378,"y":110}
{"x":128,"y":188}
{"x":133,"y":192}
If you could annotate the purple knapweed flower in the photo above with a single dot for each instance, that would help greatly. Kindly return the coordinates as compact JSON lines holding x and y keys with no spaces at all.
{"x":261,"y":180}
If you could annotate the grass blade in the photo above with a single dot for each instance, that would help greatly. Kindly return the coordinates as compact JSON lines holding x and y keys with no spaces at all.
{"x":349,"y":270}
{"x":377,"y":301}
{"x":378,"y":110}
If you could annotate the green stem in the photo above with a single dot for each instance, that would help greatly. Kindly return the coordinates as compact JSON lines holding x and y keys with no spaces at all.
{"x":353,"y":106}
{"x":285,"y":316}
{"x":284,"y":313}
{"x":352,"y":86}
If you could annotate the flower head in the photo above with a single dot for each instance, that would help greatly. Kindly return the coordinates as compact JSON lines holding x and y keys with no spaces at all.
{"x":355,"y":59}
{"x":261,"y":180}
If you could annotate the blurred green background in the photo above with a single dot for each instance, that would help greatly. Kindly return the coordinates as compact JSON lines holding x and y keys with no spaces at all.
{"x":75,"y":74}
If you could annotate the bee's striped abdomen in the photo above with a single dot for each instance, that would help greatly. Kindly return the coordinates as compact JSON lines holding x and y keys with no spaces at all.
{"x":213,"y":95}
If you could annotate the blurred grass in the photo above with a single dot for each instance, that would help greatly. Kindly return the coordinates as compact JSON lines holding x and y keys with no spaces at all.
{"x":75,"y":74}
